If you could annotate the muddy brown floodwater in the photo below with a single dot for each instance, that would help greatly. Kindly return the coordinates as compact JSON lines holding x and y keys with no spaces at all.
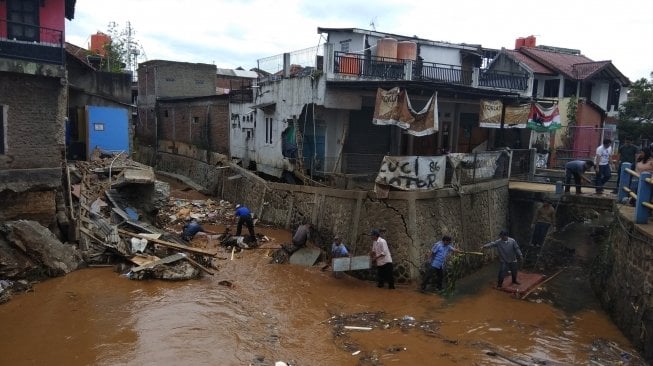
{"x":284,"y":313}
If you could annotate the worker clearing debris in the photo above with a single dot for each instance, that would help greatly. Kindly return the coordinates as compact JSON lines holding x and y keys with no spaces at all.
{"x":302,"y":235}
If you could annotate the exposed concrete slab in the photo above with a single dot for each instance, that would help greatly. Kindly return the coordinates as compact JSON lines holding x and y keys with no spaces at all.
{"x":305,"y":257}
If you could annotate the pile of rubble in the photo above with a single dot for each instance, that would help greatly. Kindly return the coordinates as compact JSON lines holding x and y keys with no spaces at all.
{"x":112,"y":200}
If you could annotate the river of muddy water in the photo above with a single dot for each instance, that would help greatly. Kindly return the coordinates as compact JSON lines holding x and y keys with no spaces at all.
{"x":256,"y":313}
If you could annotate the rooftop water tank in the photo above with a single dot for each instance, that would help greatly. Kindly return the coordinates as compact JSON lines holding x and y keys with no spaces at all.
{"x":530,"y":41}
{"x":98,"y":42}
{"x":407,"y":50}
{"x":387,"y":48}
{"x":519,"y":42}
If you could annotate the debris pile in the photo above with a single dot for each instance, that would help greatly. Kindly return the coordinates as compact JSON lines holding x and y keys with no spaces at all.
{"x":344,"y":324}
{"x":115,"y":197}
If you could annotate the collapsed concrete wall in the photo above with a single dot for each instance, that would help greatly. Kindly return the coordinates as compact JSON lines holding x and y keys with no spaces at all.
{"x":622,"y":276}
{"x":413,"y":220}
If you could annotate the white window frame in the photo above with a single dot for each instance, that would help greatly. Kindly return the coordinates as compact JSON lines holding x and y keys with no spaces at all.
{"x":269,"y":127}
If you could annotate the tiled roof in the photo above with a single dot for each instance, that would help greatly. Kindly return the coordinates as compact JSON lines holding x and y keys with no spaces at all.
{"x":559,"y":61}
{"x":78,"y":53}
{"x":535,"y":66}
{"x":585,"y":70}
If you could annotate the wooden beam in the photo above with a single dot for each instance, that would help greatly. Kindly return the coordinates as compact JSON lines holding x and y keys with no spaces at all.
{"x":171,"y":245}
{"x":170,"y":259}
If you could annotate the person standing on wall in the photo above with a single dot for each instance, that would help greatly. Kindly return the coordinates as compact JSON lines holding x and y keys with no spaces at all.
{"x":439,"y":253}
{"x":380,"y":256}
{"x":627,"y":154}
{"x":244,"y":216}
{"x":509,"y":251}
{"x":602,"y":165}
{"x":544,"y":218}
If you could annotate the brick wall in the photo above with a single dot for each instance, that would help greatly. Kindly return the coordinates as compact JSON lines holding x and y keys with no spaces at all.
{"x":169,"y":79}
{"x":200,"y":122}
{"x":37,"y":206}
{"x":35,"y":121}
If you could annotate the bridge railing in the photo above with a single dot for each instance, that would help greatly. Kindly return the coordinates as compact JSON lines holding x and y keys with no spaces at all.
{"x":637,"y":187}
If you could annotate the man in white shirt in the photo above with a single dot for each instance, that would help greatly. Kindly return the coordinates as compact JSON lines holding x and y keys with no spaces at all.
{"x":602,"y":164}
{"x":380,"y":256}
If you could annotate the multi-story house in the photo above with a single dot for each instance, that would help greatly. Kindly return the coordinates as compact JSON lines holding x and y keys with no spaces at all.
{"x":315,"y":111}
{"x":33,"y":97}
{"x":320,"y":106}
{"x":592,"y":89}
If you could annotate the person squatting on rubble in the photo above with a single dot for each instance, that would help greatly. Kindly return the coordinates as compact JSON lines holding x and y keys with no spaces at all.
{"x":437,"y":259}
{"x":244,"y":216}
{"x":338,"y":250}
{"x":509,"y":251}
{"x":191,"y":228}
{"x":544,"y":218}
{"x":381,"y":258}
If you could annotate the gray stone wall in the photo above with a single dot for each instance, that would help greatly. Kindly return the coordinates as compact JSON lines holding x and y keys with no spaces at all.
{"x":623,"y":280}
{"x":413,"y":220}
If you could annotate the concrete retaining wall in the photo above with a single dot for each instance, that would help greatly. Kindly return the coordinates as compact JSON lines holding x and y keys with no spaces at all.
{"x":413,"y":220}
{"x":623,"y":280}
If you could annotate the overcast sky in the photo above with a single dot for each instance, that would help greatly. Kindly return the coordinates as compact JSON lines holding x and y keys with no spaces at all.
{"x":232,"y":33}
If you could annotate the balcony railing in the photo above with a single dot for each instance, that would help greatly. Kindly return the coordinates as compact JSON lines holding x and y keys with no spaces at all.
{"x":358,"y":66}
{"x":503,"y":80}
{"x":31,"y":42}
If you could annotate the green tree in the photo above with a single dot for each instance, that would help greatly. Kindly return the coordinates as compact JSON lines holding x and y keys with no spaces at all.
{"x":636,"y":114}
{"x":124,"y":51}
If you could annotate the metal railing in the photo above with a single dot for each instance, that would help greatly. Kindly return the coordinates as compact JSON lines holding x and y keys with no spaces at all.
{"x":502,"y":80}
{"x":368,"y":66}
{"x":31,"y":42}
{"x":430,"y":71}
{"x":637,"y":188}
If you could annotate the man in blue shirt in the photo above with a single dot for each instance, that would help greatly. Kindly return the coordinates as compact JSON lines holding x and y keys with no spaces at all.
{"x":338,"y":248}
{"x":438,"y":257}
{"x":191,"y":228}
{"x":244,"y":216}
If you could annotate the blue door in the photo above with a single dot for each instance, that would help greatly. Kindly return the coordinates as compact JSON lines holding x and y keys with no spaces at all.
{"x":108,"y":129}
{"x":314,"y":150}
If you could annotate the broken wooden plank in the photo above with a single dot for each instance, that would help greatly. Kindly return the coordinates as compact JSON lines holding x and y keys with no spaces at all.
{"x":197,"y":265}
{"x":169,"y":259}
{"x":141,"y":260}
{"x":90,"y":235}
{"x":172,"y":245}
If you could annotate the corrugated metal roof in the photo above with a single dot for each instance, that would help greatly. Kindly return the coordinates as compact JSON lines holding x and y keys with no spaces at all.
{"x":237,"y":73}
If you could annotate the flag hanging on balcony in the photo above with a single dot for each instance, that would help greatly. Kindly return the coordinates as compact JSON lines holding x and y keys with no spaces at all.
{"x":542,"y":119}
{"x":393,"y":107}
